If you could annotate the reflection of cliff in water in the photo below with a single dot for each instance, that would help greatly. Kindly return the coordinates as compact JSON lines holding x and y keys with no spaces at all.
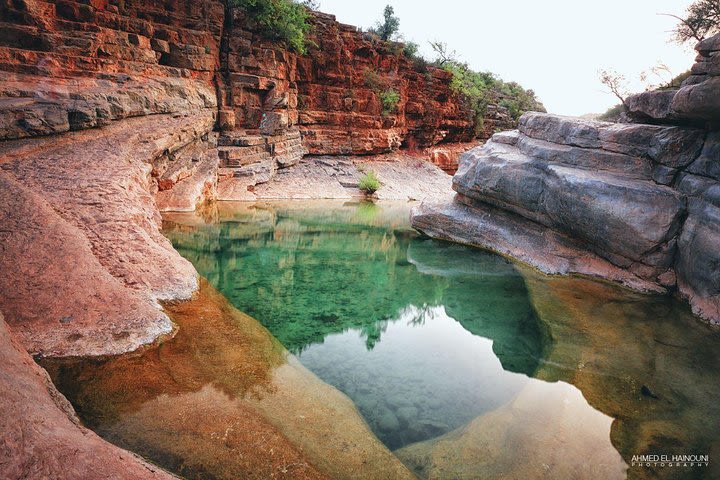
{"x":643,"y":361}
{"x":487,"y":295}
{"x":223,"y":400}
{"x":306,"y":275}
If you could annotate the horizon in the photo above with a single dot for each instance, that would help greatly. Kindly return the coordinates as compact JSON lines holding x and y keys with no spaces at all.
{"x":564,"y":74}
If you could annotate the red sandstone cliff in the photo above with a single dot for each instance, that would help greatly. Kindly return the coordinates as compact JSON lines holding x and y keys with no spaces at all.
{"x":70,"y":65}
{"x":83,"y":261}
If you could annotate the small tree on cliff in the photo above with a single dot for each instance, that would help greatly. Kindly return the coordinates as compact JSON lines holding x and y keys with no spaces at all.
{"x":702,"y":19}
{"x":443,"y":54}
{"x":616,"y":83}
{"x":389,"y":27}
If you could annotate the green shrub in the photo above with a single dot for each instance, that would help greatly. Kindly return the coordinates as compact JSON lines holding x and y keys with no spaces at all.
{"x":282,"y":20}
{"x":411,"y":50}
{"x":480,"y":89}
{"x":369,"y":183}
{"x":389,"y":99}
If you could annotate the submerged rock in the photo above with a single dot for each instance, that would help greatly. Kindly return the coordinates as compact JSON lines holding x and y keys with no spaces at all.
{"x":223,"y":398}
{"x":40,"y":436}
{"x":524,"y":439}
{"x":619,"y":378}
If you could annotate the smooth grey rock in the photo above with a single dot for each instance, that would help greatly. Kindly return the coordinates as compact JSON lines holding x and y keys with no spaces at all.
{"x":654,"y":105}
{"x":500,"y":231}
{"x":700,"y":101}
{"x":509,"y":138}
{"x":669,"y":145}
{"x":698,"y":263}
{"x":502,"y":176}
{"x":589,"y":158}
{"x":664,"y":175}
{"x":710,"y":44}
{"x":614,"y":214}
{"x":707,"y":65}
{"x":701,"y":187}
{"x":609,"y":200}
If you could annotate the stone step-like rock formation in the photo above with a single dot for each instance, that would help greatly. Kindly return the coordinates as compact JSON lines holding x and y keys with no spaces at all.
{"x":634,"y":203}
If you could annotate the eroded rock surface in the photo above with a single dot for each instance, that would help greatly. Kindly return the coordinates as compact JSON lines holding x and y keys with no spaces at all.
{"x":83,"y":259}
{"x":402,"y":177}
{"x":40,"y":436}
{"x":697,"y":99}
{"x":633,"y":203}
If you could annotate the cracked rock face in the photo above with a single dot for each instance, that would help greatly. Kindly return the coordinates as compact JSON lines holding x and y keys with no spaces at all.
{"x":634,"y":203}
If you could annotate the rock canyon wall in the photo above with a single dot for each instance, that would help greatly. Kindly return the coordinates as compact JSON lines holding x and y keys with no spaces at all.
{"x":67,"y":66}
{"x":636,"y":203}
{"x":162,"y":78}
{"x":113,"y":110}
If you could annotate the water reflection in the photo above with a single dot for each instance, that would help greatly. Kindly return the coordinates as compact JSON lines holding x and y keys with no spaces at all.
{"x":436,"y":342}
{"x":223,"y":400}
{"x":468,"y":365}
{"x":343,"y":290}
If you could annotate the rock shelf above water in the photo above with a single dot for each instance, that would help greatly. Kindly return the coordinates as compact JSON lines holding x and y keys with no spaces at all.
{"x":616,"y":201}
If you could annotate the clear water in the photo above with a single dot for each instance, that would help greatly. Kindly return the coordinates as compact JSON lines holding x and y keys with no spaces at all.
{"x":461,"y":362}
{"x":423,"y":336}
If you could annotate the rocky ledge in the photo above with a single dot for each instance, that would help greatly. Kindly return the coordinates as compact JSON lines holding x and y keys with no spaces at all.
{"x":633,"y":203}
{"x":636,"y":203}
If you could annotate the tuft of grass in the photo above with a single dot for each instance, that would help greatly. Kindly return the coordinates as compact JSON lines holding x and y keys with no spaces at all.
{"x":369,"y":183}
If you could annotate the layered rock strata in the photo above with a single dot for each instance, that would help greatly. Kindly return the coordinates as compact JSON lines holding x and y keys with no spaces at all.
{"x":340,"y":86}
{"x":637,"y":203}
{"x":70,"y":65}
{"x":74,"y":65}
{"x":617,"y":201}
{"x":109,"y":112}
{"x":277,"y":106}
{"x":83,"y":259}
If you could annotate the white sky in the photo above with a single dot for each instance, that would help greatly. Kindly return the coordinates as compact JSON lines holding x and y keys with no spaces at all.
{"x":554,"y":47}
